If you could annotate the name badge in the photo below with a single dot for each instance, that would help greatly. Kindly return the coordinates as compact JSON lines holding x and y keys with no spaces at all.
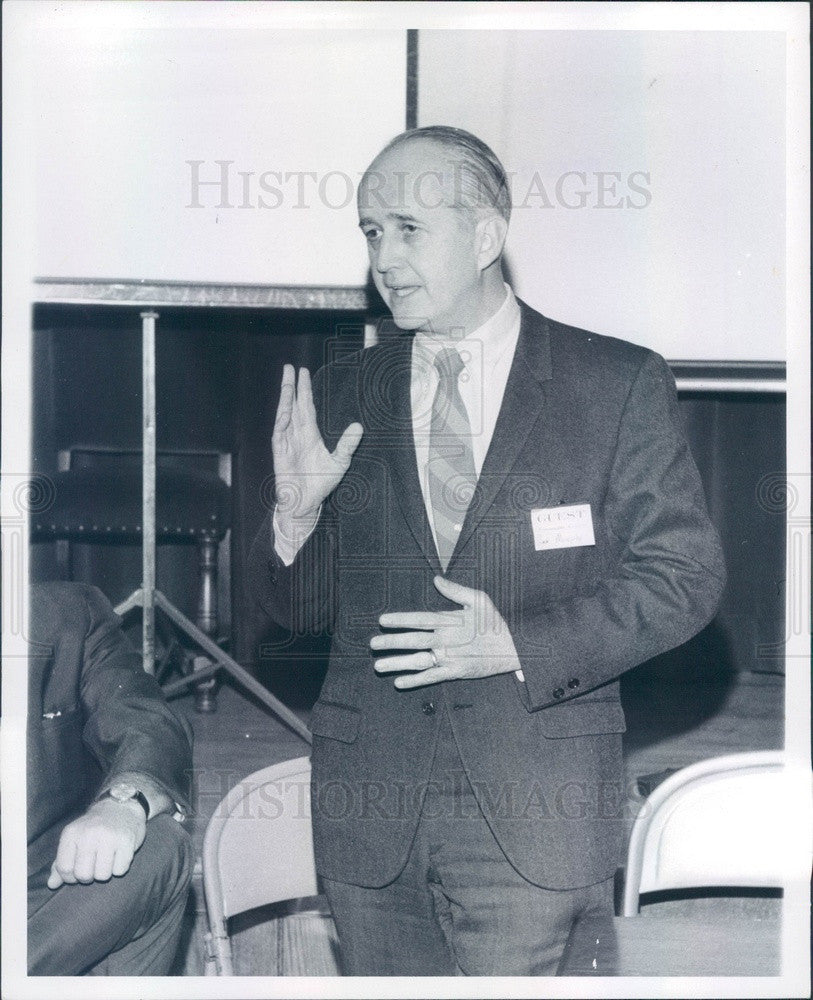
{"x":562,"y":527}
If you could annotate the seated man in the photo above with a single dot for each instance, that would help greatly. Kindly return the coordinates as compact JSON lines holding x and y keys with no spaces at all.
{"x":108,"y":768}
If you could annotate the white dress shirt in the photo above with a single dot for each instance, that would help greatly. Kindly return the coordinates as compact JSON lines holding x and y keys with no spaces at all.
{"x":487,"y":353}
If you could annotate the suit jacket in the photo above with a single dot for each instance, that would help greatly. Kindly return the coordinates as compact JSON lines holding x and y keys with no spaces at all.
{"x":585,"y":419}
{"x":93,"y":713}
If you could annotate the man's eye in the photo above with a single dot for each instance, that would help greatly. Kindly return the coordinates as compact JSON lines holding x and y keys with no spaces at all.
{"x":408,"y":228}
{"x":372,"y":234}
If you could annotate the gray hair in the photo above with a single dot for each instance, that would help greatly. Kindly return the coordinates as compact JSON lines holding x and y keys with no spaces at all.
{"x":480,"y":179}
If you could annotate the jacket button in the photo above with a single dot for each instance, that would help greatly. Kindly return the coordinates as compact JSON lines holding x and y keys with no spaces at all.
{"x":559,"y":693}
{"x":428,"y":708}
{"x":573,"y":683}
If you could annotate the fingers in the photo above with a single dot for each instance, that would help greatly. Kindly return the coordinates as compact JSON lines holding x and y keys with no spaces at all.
{"x":435,"y":675}
{"x":98,"y":845}
{"x":80,"y":862}
{"x":348,"y":443}
{"x":62,"y":868}
{"x":91,"y":865}
{"x":411,"y":661}
{"x":305,"y":410}
{"x":420,"y":619}
{"x":402,"y":640}
{"x":295,"y":399}
{"x":55,"y":880}
{"x":122,"y":860}
{"x":286,"y":400}
{"x":84,"y":868}
{"x":456,"y":591}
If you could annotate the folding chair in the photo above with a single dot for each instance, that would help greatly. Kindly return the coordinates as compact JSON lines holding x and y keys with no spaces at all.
{"x":257,"y":850}
{"x":737,"y":820}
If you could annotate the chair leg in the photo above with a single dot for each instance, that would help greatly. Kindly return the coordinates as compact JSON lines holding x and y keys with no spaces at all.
{"x":223,"y":954}
{"x":217,"y":953}
{"x":206,"y":691}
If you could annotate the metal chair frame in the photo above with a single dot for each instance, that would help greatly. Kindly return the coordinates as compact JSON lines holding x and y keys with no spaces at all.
{"x":292,"y":872}
{"x":667,"y":795}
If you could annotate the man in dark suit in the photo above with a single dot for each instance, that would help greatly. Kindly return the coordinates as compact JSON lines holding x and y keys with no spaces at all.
{"x":509,"y":520}
{"x":108,"y":765}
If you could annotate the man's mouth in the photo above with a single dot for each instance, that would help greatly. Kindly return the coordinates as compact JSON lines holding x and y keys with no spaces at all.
{"x":404,"y":291}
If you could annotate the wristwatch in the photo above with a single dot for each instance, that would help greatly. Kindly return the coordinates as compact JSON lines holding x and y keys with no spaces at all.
{"x":123,"y":791}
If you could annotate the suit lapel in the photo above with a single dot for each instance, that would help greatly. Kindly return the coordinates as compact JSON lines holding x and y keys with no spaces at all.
{"x":386,"y":405}
{"x":522,"y":406}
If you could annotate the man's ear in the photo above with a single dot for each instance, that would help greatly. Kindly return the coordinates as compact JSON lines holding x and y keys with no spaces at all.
{"x":490,"y":238}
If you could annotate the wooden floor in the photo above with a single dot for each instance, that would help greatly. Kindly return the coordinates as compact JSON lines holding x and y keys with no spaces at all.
{"x":670,"y":725}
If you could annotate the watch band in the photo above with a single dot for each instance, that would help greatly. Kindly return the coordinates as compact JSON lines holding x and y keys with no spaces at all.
{"x":141,"y":799}
{"x":136,"y":796}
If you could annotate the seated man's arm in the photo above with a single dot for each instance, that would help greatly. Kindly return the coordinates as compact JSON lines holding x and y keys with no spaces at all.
{"x":130,"y":728}
{"x":140,"y":743}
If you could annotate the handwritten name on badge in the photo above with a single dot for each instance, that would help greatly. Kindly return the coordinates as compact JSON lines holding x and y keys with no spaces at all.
{"x":562,"y":527}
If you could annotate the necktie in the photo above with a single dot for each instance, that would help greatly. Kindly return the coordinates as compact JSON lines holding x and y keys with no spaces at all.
{"x":452,"y":477}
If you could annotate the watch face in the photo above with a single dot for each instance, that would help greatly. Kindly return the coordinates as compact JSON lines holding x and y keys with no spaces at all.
{"x":123,"y":792}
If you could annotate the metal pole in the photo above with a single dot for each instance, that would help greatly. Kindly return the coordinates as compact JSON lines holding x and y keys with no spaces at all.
{"x":148,"y":490}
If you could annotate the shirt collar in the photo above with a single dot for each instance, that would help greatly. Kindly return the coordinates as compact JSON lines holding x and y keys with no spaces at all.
{"x":486,"y":344}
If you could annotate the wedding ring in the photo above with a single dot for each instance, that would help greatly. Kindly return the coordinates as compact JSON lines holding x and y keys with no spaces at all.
{"x":434,"y":658}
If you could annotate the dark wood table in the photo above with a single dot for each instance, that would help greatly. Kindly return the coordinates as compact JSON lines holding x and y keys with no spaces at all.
{"x":669,"y":946}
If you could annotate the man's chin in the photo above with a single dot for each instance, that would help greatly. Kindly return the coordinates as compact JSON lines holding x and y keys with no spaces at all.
{"x":409,"y":322}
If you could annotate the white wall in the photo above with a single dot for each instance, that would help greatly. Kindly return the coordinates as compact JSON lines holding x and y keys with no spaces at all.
{"x":122,"y":96}
{"x":698,"y":271}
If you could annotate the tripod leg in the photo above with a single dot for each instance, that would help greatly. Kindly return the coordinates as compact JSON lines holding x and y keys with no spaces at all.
{"x":240,"y":674}
{"x":206,"y":691}
{"x":133,"y":601}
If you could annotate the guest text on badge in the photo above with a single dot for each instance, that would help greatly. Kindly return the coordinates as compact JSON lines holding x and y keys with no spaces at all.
{"x":562,"y":527}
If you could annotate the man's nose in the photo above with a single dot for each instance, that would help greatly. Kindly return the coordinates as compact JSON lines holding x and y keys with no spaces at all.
{"x":387,"y":254}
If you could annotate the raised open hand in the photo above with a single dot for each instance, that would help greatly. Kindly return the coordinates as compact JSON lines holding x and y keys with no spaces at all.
{"x":305,"y":472}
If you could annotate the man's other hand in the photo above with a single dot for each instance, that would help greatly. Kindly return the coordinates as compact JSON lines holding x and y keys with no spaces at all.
{"x":99,"y":844}
{"x":447,"y":645}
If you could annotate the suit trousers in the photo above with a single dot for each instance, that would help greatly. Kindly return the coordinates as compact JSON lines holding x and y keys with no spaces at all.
{"x":458,"y":907}
{"x":127,"y":926}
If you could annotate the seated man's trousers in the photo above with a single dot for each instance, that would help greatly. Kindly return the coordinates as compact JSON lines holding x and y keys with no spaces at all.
{"x":127,"y":926}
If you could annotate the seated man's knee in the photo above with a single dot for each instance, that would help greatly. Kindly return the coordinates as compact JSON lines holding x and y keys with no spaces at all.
{"x":166,"y":857}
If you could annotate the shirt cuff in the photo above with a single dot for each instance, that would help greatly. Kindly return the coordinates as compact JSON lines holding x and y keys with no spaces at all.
{"x":286,"y":547}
